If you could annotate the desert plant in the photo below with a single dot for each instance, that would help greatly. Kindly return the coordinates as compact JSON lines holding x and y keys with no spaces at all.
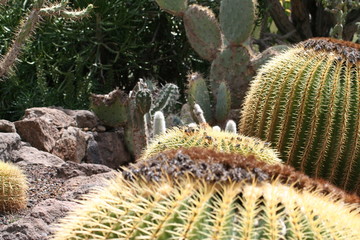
{"x":306,"y":102}
{"x":224,"y":44}
{"x":13,"y":188}
{"x":29,"y":24}
{"x":189,"y":208}
{"x":135,"y":112}
{"x":206,"y":137}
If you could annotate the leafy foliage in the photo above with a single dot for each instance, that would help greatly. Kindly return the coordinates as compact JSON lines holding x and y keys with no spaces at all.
{"x":119,"y":43}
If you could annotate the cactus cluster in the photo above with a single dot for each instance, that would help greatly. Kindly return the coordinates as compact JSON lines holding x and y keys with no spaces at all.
{"x":29,"y":24}
{"x":13,"y":188}
{"x":223,"y":43}
{"x":136,"y":111}
{"x":306,"y":102}
{"x":340,"y":8}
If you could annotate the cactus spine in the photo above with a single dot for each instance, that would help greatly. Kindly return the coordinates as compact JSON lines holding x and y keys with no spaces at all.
{"x":28,"y":26}
{"x":197,"y":209}
{"x":306,"y":102}
{"x":13,"y":187}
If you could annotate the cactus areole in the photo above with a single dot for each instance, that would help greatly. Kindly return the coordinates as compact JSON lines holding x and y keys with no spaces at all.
{"x":306,"y":102}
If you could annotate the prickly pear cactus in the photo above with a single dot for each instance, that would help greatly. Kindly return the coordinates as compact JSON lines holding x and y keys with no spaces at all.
{"x":112,"y":108}
{"x":13,"y":187}
{"x":307,"y":103}
{"x":224,"y":44}
{"x":203,"y":31}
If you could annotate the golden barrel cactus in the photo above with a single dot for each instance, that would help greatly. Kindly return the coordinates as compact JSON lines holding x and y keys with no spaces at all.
{"x":306,"y":102}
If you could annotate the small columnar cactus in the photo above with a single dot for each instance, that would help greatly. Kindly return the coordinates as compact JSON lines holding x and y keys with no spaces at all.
{"x":13,"y":188}
{"x":159,"y":123}
{"x":206,"y":137}
{"x":198,"y":209}
{"x":306,"y":102}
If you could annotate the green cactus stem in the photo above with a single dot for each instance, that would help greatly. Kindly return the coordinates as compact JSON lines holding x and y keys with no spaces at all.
{"x":306,"y":101}
{"x":232,"y":66}
{"x":198,"y":93}
{"x":237,"y":27}
{"x":175,"y":7}
{"x":197,"y":209}
{"x":203,"y":31}
{"x":112,"y":108}
{"x":223,"y":103}
{"x":166,"y":99}
{"x":13,"y":188}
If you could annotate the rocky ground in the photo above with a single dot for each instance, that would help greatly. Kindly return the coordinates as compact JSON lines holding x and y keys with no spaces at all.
{"x":55,"y":182}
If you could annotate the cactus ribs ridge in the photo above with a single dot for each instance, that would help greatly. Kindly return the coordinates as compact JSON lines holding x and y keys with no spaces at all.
{"x":216,"y":166}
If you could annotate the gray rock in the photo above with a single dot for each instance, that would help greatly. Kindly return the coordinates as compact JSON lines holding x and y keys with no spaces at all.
{"x":85,"y":119}
{"x":71,"y":145}
{"x":54,"y":116}
{"x":9,"y":142}
{"x":7,"y":126}
{"x":30,"y":155}
{"x":35,"y":226}
{"x":107,"y":148}
{"x":40,"y":133}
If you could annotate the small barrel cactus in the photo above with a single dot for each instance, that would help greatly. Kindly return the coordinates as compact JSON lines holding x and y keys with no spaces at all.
{"x":306,"y":102}
{"x":209,"y":138}
{"x":13,"y":187}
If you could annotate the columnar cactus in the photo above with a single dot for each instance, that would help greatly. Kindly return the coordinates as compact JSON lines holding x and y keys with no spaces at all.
{"x":29,"y":24}
{"x":13,"y":187}
{"x":307,"y":102}
{"x":223,"y":43}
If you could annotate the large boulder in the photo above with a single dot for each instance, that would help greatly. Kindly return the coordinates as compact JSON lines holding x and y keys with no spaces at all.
{"x":39,"y":132}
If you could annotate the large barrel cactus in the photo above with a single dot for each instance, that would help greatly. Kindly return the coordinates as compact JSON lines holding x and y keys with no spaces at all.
{"x":306,"y":102}
{"x":247,"y":203}
{"x":204,"y":192}
{"x":13,"y":187}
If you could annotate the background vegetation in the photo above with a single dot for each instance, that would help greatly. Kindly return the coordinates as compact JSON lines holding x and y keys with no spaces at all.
{"x":122,"y":41}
